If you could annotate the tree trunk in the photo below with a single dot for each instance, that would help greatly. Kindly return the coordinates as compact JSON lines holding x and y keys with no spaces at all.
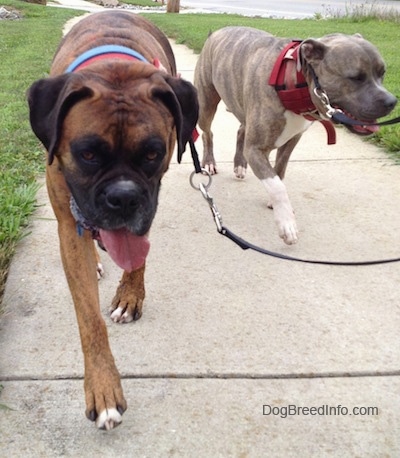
{"x":173,"y":6}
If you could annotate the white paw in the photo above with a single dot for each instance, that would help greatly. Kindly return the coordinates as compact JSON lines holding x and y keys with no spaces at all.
{"x":288,"y":232}
{"x":240,"y":172}
{"x":283,"y":212}
{"x":211,"y":168}
{"x":121,"y":315}
{"x":108,"y":419}
{"x":100,"y":270}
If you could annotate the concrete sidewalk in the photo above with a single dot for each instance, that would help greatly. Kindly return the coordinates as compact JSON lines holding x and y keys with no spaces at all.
{"x":228,"y":339}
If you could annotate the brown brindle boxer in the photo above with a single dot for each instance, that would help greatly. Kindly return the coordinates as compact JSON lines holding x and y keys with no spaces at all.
{"x":109,"y":116}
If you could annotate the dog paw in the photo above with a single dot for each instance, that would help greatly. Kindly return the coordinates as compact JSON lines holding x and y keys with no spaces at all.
{"x":100,"y":270}
{"x":126,"y":314}
{"x":240,"y":172}
{"x":288,"y":232}
{"x":105,"y":402}
{"x":211,"y":168}
{"x":108,"y":419}
{"x":128,"y":300}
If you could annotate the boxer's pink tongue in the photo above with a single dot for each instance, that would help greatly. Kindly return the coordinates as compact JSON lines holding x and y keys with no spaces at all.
{"x":127,"y":250}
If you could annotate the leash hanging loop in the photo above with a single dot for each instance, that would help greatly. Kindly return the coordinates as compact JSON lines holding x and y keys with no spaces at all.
{"x":244,"y":245}
{"x":206,"y":185}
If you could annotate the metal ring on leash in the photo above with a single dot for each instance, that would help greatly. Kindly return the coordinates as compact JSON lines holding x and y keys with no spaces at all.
{"x":203,"y":172}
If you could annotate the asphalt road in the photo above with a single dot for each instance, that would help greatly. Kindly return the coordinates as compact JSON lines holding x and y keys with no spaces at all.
{"x":286,"y":8}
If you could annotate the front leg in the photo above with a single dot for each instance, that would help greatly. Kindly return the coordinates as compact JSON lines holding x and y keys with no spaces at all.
{"x":105,"y":402}
{"x":279,"y":199}
{"x":283,"y":211}
{"x":128,"y":300}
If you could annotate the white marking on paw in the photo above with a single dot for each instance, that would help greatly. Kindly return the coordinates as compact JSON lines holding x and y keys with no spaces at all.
{"x":211,"y":169}
{"x":100,"y":270}
{"x":283,"y":212}
{"x":108,"y":419}
{"x":119,"y":316}
{"x":126,"y":317}
{"x":116,"y":314}
{"x":240,"y":172}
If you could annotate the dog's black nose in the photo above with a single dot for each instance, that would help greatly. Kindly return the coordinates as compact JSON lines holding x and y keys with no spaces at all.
{"x":122,"y":197}
{"x":390,"y":102}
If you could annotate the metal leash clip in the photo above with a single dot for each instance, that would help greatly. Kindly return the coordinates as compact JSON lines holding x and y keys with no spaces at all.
{"x":203,"y":188}
{"x":323,"y":97}
{"x":214,"y":210}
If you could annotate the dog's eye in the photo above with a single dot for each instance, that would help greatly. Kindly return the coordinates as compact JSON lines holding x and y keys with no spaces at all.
{"x":359,"y":78}
{"x":88,"y":156}
{"x":90,"y":151}
{"x":381,"y":73}
{"x":151,"y":156}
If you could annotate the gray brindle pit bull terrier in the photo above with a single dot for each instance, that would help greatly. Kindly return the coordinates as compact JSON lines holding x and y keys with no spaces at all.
{"x":235,"y":65}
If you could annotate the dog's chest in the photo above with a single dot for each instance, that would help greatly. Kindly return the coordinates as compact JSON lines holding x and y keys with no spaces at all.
{"x":295,"y":124}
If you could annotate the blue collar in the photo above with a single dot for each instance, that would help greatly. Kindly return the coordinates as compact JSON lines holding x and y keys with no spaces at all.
{"x":101,"y":52}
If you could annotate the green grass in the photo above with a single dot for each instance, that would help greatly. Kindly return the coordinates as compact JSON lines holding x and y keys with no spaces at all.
{"x":26,"y":50}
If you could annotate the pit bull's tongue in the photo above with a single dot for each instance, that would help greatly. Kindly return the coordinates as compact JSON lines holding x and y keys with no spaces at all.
{"x":127,"y":250}
{"x":367,"y":129}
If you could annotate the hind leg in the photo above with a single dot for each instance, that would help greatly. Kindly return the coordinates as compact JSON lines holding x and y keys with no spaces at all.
{"x":240,"y":163}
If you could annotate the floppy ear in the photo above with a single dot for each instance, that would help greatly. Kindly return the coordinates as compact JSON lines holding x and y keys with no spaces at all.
{"x":183,"y":104}
{"x":49,"y":102}
{"x":313,"y":50}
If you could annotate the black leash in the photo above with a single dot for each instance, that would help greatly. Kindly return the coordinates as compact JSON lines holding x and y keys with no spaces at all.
{"x":195,"y":157}
{"x":249,"y":246}
{"x":341,"y":118}
{"x":243,"y":244}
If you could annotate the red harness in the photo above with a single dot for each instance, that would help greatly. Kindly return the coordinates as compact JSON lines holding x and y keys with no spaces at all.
{"x":293,"y":90}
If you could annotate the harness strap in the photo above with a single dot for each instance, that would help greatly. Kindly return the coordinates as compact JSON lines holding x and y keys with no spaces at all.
{"x":289,"y":81}
{"x":292,"y":88}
